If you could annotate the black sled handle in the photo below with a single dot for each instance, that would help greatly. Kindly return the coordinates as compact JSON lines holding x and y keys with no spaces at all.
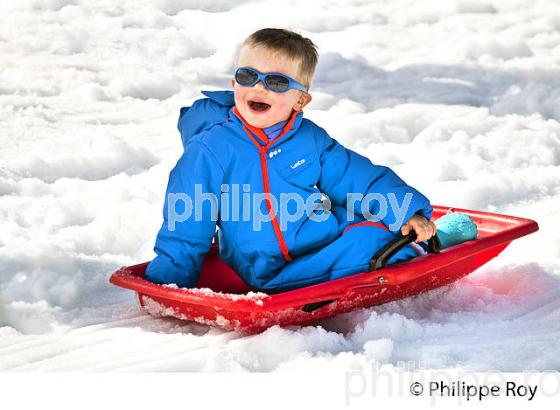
{"x":382,"y":256}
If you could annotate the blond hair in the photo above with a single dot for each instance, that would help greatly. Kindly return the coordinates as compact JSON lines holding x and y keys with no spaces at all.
{"x":290,"y":44}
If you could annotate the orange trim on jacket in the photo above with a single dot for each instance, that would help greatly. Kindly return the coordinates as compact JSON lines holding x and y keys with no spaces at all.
{"x":379,"y":225}
{"x":253,"y":132}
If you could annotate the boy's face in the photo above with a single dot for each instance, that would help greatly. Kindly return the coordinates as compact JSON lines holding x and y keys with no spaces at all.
{"x":281,"y":104}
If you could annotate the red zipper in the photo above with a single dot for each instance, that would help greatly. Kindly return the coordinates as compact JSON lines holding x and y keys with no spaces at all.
{"x":261,"y":135}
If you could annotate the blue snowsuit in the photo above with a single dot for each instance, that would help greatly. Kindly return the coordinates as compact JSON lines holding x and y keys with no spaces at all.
{"x":228,"y":158}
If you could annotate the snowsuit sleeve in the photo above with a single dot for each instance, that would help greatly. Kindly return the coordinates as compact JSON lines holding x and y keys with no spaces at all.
{"x":190,"y":213}
{"x":390,"y":201}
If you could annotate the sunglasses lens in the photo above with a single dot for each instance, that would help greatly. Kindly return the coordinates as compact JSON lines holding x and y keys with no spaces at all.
{"x":277,"y":83}
{"x":245,"y":77}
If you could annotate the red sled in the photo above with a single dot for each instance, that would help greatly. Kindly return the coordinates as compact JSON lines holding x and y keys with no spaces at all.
{"x":222,"y":299}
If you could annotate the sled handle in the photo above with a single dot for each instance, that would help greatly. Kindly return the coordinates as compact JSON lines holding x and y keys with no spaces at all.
{"x":379,"y":260}
{"x":310,"y":307}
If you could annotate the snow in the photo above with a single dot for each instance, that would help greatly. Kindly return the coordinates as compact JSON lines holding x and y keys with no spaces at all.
{"x":460,"y":98}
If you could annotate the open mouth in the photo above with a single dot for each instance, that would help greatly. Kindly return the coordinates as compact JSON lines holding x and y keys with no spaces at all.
{"x":258,"y":107}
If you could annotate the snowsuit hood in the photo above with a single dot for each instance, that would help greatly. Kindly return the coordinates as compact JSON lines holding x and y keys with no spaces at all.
{"x":204,"y":114}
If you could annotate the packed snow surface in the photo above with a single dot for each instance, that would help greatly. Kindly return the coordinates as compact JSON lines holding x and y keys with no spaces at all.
{"x":460,"y":98}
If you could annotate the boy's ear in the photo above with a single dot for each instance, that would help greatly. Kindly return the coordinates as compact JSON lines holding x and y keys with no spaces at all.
{"x":303,"y":100}
{"x":232,"y":83}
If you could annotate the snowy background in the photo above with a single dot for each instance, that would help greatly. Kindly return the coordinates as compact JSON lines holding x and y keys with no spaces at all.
{"x":461,"y":98}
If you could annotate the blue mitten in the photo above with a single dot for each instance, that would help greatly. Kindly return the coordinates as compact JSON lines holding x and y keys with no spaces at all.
{"x":455,"y":228}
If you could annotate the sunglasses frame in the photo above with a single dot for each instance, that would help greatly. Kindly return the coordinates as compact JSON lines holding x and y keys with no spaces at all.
{"x":292,"y":84}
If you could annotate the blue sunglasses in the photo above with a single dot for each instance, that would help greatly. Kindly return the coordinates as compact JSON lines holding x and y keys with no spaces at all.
{"x":279,"y":83}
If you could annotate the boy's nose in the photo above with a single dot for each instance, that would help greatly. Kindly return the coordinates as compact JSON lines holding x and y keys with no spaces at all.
{"x":260,"y":85}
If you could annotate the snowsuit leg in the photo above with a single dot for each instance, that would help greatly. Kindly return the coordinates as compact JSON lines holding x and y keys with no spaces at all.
{"x":348,"y":254}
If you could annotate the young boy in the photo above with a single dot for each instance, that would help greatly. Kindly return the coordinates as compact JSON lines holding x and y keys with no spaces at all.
{"x":253,"y":146}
